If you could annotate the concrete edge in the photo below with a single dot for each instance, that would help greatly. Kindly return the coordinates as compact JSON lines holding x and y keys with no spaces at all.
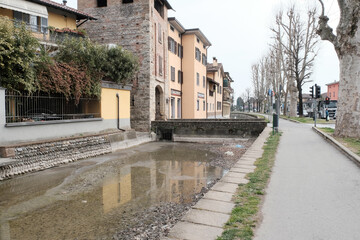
{"x":352,"y":156}
{"x":289,"y":119}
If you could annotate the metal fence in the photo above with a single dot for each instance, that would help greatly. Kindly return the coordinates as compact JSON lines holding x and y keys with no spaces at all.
{"x":44,"y":107}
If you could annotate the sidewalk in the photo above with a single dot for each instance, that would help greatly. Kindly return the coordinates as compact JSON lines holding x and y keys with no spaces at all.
{"x":313,"y":191}
{"x":206,"y":219}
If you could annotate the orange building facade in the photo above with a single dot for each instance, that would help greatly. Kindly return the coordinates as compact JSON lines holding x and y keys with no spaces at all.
{"x":333,"y":90}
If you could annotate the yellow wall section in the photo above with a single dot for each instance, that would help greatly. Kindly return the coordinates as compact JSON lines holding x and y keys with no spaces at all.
{"x":7,"y":13}
{"x":59,"y":21}
{"x":109,"y":103}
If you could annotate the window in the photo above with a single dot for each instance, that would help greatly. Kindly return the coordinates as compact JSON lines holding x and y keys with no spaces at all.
{"x":197,"y":105}
{"x":44,"y":25}
{"x":160,"y":66}
{"x":220,"y":90}
{"x":198,"y":40}
{"x":34,"y":23}
{"x":218,"y":105}
{"x":173,"y":74}
{"x":159,"y":7}
{"x":180,"y":51}
{"x":127,"y":1}
{"x":204,"y":105}
{"x":197,"y":54}
{"x":197,"y":79}
{"x":102,"y":3}
{"x":172,"y":45}
{"x":334,"y":94}
{"x":172,"y":28}
{"x":159,"y":33}
{"x":204,"y":59}
{"x":204,"y":82}
{"x":21,"y":17}
{"x":180,"y":76}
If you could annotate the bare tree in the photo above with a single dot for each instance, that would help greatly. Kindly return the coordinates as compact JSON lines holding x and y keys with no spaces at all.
{"x":297,"y":41}
{"x":259,"y":84}
{"x":347,"y":46}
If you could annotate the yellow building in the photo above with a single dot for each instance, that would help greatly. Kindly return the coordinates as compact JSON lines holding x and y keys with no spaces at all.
{"x":215,"y":78}
{"x":194,"y":71}
{"x":175,"y":52}
{"x":42,"y":15}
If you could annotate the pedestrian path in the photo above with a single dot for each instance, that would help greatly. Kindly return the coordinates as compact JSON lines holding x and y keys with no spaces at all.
{"x":206,"y":219}
{"x":313,"y":193}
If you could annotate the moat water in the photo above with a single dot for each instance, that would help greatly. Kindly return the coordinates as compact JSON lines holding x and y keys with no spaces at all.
{"x":91,"y":199}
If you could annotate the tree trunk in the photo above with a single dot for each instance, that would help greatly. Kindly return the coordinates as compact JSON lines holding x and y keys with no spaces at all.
{"x":300,"y":102}
{"x":348,"y":111}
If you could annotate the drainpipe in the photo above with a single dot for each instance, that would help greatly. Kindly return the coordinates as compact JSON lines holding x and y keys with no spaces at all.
{"x":215,"y":105}
{"x":118,"y":112}
{"x":182,"y":77}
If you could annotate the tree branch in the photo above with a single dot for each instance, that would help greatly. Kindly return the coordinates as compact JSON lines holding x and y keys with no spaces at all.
{"x":324,"y":30}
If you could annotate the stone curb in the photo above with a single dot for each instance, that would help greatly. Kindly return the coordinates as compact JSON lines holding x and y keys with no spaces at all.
{"x":352,"y":156}
{"x":207,"y":217}
{"x":291,"y":120}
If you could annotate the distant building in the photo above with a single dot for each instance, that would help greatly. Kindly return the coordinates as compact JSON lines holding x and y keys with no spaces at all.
{"x":227,"y":95}
{"x":333,"y":90}
{"x":215,"y":76}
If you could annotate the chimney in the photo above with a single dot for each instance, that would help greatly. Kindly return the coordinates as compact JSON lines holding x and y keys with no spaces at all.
{"x":64,"y":2}
{"x":215,"y":63}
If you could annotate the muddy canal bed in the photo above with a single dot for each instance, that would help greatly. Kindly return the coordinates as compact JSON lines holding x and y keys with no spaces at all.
{"x":138,"y":193}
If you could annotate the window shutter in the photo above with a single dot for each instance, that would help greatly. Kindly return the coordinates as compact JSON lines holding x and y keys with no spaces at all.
{"x":169,"y":43}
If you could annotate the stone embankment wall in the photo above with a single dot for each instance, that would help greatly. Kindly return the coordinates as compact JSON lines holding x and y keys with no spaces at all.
{"x":36,"y":156}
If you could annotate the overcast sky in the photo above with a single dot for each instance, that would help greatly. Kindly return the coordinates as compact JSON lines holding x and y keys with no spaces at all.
{"x":240,"y":34}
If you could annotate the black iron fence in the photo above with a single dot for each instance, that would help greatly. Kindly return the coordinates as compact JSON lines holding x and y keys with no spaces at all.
{"x":44,"y":107}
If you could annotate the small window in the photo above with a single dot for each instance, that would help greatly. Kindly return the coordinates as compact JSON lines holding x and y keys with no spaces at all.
{"x":127,"y":1}
{"x":197,"y":54}
{"x":204,"y":105}
{"x":218,"y":105}
{"x":160,"y":66}
{"x":102,"y":3}
{"x":197,"y":105}
{"x":198,"y":40}
{"x":173,"y":74}
{"x":197,"y":79}
{"x":172,"y":28}
{"x":159,"y":7}
{"x":159,"y":33}
{"x":44,"y":25}
{"x":180,"y":51}
{"x":204,"y":59}
{"x":204,"y":81}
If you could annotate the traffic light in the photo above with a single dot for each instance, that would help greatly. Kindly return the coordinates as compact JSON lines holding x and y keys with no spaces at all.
{"x":318,"y":91}
{"x":312,"y":91}
{"x":327,"y":100}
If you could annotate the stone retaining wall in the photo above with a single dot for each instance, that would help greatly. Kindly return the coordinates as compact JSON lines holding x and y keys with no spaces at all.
{"x":208,"y":128}
{"x":35,"y":157}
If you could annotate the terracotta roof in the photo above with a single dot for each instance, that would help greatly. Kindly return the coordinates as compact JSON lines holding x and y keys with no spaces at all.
{"x":79,"y":14}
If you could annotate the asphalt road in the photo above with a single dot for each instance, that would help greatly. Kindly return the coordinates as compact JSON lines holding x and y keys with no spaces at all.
{"x":314,"y":191}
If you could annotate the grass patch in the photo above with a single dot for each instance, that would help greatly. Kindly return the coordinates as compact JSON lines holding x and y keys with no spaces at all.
{"x":353,"y":144}
{"x":243,"y":218}
{"x":309,"y":120}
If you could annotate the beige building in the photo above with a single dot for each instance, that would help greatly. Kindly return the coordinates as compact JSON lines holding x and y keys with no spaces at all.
{"x":187,"y":72}
{"x":215,"y":79}
{"x":227,"y":95}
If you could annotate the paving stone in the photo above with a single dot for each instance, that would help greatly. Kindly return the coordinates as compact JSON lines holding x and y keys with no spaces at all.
{"x":192,"y":231}
{"x":235,"y":175}
{"x":208,"y":218}
{"x":241,"y":170}
{"x":234,"y":180}
{"x":215,"y":206}
{"x":225,"y":187}
{"x":250,"y":163}
{"x":239,"y":165}
{"x":220,"y":196}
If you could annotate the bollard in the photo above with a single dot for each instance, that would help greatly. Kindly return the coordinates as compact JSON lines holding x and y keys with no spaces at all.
{"x":275,"y":122}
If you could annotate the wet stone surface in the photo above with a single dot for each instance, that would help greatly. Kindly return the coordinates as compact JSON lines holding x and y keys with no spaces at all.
{"x":139,"y":193}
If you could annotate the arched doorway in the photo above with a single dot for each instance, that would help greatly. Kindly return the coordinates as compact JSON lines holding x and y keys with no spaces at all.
{"x":159,"y":101}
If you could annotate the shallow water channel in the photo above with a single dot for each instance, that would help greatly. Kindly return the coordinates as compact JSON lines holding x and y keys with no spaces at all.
{"x":99,"y":197}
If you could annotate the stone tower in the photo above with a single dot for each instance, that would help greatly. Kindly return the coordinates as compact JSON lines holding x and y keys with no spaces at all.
{"x":139,"y":26}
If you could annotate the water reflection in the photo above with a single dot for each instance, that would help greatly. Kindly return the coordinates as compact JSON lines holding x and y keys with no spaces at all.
{"x":92,"y":207}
